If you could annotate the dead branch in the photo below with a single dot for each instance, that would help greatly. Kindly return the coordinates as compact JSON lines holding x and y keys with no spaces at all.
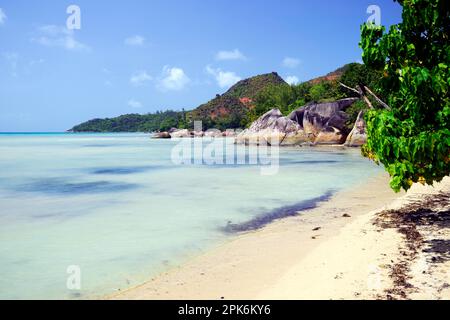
{"x":361,"y":92}
{"x":378,"y":99}
{"x":351,"y":89}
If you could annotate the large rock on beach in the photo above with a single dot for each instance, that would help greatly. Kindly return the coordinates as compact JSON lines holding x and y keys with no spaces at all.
{"x":271,"y":129}
{"x":329,"y":136}
{"x":161,"y":135}
{"x":183,"y":133}
{"x":358,"y":135}
{"x":213,"y":133}
{"x":316,"y":117}
{"x":318,"y":123}
{"x":197,"y":134}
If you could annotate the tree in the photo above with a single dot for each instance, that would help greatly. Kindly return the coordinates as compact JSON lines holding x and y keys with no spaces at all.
{"x":318,"y":91}
{"x":357,"y":74}
{"x":412,"y":138}
{"x":274,"y":96}
{"x":168,"y":123}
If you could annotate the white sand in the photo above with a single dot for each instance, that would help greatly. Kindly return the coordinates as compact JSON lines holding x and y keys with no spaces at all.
{"x":347,"y":258}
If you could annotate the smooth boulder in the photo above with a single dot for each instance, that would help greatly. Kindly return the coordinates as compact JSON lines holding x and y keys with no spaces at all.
{"x":183,"y":133}
{"x":272,"y":129}
{"x":358,"y":135}
{"x":330,"y":136}
{"x":161,"y":135}
{"x":317,"y":117}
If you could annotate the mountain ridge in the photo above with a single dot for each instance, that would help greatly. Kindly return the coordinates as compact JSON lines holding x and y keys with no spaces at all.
{"x":225,"y":111}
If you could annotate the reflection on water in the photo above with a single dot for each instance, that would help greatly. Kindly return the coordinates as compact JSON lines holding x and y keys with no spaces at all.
{"x":117,"y":207}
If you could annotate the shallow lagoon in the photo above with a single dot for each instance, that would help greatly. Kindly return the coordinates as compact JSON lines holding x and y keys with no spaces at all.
{"x":117,"y":206}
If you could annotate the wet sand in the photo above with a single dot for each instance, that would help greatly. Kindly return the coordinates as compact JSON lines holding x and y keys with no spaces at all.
{"x":338,"y":250}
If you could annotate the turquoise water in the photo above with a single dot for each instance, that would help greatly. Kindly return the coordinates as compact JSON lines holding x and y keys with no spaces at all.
{"x":117,"y":206}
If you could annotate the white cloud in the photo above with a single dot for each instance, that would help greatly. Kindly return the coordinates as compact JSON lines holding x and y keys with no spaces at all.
{"x":173,"y":79}
{"x":292,"y":80}
{"x":135,"y":40}
{"x":224,"y":79}
{"x":56,"y":36}
{"x":2,"y":16}
{"x":134,"y":104}
{"x":289,"y":62}
{"x":140,"y":78}
{"x":230,"y":55}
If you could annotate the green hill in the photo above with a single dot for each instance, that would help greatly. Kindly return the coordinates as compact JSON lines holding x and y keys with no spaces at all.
{"x":225,"y":111}
{"x":249,"y":88}
{"x":230,"y":110}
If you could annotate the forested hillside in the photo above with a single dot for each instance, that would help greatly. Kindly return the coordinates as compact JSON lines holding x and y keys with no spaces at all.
{"x":244,"y":102}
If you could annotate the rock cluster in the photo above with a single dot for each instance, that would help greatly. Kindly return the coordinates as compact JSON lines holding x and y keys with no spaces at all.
{"x":273,"y":128}
{"x":313,"y":124}
{"x":185,"y":133}
{"x":319,"y":123}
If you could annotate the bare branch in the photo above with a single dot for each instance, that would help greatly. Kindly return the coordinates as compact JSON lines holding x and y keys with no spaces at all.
{"x":378,"y":99}
{"x":367,"y":101}
{"x":351,"y":89}
{"x":362,"y":94}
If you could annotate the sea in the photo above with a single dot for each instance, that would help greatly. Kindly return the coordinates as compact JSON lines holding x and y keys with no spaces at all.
{"x":83,"y":216}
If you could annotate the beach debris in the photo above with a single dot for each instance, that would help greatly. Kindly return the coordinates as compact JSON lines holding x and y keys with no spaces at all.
{"x":338,"y":276}
{"x":426,"y":213}
{"x":346,"y":215}
{"x":317,"y":229}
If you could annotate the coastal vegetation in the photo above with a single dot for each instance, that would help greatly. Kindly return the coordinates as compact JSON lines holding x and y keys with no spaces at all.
{"x":159,"y":121}
{"x":410,"y":136}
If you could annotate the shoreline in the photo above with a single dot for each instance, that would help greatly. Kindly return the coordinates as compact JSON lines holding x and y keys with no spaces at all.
{"x":254,"y":264}
{"x":386,"y":254}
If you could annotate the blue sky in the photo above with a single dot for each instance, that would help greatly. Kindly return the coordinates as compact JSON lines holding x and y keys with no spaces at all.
{"x":142,"y":56}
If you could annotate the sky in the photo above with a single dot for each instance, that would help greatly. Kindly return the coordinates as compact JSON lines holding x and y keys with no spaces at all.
{"x":140,"y":56}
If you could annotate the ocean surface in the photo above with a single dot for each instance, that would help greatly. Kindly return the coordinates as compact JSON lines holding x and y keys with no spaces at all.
{"x":117,"y":208}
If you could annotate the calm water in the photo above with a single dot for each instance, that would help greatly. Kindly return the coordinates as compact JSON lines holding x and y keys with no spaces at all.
{"x":116,"y":206}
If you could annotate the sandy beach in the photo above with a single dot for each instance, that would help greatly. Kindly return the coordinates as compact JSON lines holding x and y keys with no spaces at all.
{"x":365,"y":243}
